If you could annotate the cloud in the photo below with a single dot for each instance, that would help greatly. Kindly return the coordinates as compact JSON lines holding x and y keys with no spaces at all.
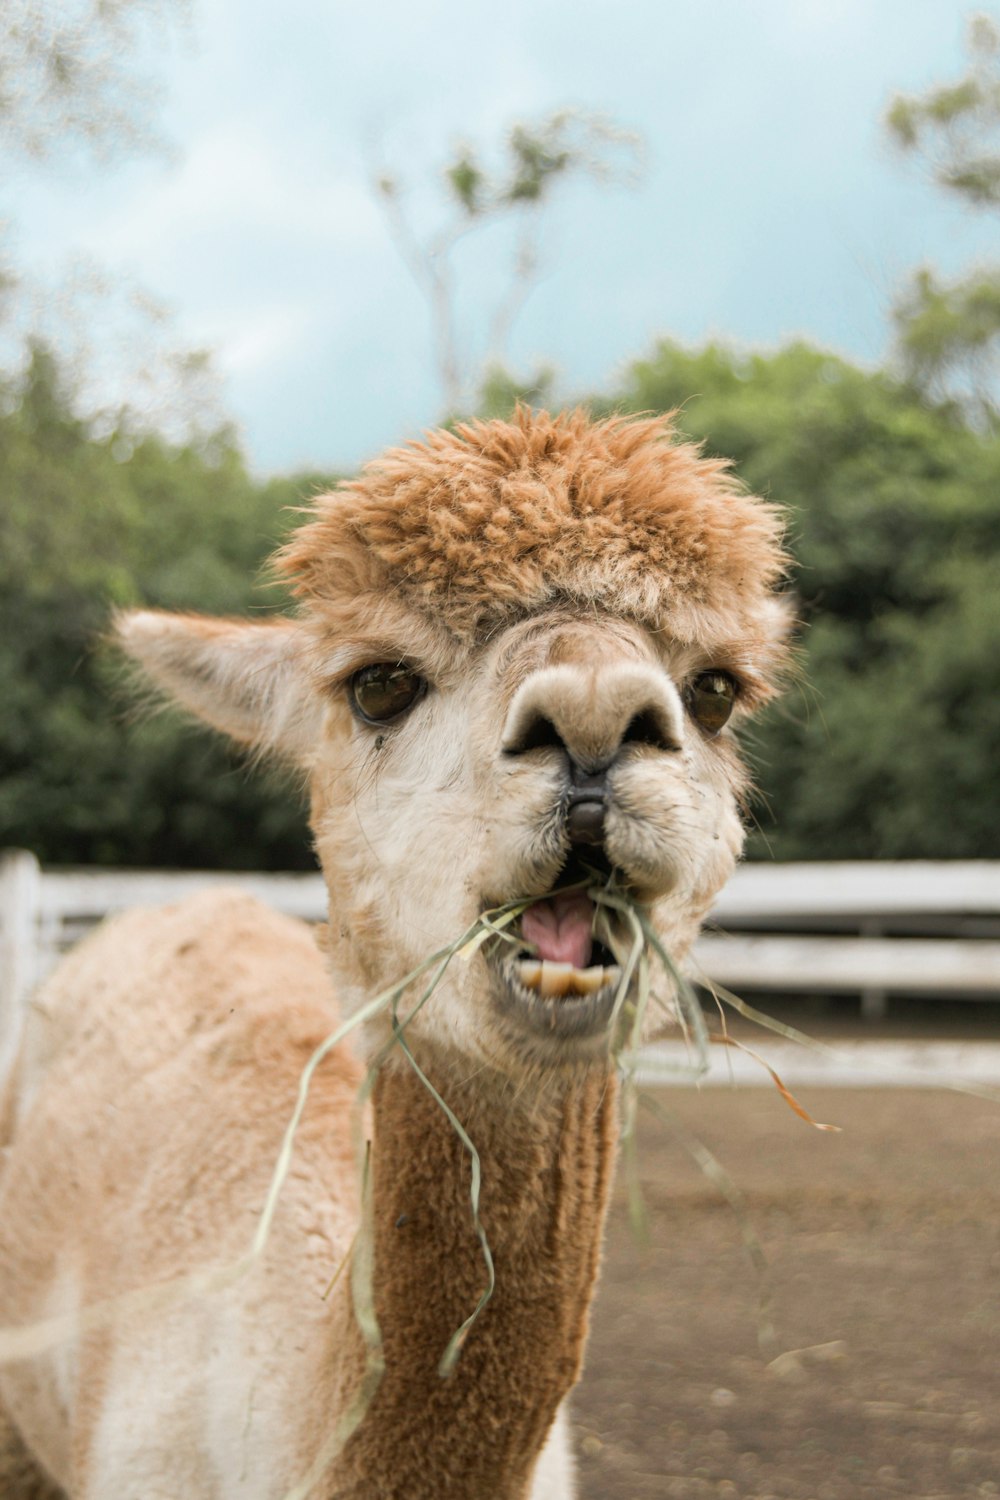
{"x":236,"y":181}
{"x":245,"y":346}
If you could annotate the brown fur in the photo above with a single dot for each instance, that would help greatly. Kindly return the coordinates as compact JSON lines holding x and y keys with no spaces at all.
{"x":546,"y":1172}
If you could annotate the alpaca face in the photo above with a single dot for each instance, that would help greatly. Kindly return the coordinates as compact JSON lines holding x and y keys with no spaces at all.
{"x":518,"y":648}
{"x":448,"y":783}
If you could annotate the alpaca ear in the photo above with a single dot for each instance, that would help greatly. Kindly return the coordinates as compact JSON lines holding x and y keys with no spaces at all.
{"x":246,"y":679}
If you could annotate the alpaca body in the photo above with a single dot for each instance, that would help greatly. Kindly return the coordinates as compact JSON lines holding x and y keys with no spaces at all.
{"x":508,"y":686}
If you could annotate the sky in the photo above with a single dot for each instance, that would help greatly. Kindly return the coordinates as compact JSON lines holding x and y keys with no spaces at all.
{"x":771,"y":205}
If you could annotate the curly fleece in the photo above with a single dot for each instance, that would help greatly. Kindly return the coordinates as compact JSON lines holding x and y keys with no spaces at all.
{"x":500,"y":519}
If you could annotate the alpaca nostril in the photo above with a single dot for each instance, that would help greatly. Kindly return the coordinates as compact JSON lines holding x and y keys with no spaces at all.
{"x":537,"y":733}
{"x":650,"y":726}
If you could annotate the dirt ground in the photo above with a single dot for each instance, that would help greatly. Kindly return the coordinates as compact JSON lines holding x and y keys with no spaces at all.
{"x":883,"y":1244}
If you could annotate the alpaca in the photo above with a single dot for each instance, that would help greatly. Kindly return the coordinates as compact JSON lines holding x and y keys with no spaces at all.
{"x":520,"y":649}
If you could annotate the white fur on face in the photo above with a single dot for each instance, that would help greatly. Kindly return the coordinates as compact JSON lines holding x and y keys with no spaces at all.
{"x":424,"y":822}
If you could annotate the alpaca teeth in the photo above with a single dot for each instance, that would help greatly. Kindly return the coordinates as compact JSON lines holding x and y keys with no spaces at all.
{"x":556,"y":978}
{"x":553,"y":980}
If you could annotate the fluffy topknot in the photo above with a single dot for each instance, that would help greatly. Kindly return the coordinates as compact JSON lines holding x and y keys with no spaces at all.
{"x":499,"y":519}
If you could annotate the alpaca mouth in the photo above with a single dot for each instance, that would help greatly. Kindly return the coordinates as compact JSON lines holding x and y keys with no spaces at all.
{"x":562,"y":978}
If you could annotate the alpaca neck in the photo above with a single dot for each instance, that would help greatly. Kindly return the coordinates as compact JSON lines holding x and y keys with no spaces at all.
{"x":546,"y":1168}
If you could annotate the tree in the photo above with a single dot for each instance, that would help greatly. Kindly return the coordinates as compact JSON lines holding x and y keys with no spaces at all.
{"x":955,"y":127}
{"x":535,"y":158}
{"x":68,"y":75}
{"x":949,"y":332}
{"x":74,"y":78}
{"x":85,"y":777}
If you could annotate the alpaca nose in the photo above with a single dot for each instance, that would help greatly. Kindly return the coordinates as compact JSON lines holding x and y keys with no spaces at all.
{"x":592,"y":716}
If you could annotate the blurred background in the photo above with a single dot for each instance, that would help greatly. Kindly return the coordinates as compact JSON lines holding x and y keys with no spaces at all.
{"x":244,"y":249}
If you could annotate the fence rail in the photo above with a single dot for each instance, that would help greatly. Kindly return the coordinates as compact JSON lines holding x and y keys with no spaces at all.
{"x":872,"y":929}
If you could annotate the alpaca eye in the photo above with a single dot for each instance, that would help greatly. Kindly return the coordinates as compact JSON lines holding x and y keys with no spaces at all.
{"x":382,"y":692}
{"x":710,"y":700}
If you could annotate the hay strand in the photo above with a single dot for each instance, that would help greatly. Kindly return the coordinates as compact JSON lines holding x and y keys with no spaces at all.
{"x":725,"y":1040}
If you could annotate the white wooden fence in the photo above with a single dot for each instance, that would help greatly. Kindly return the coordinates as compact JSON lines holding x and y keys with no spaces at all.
{"x":864,"y":928}
{"x":872,"y":929}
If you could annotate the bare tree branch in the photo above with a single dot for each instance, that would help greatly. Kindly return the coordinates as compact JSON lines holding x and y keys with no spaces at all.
{"x":536,"y":157}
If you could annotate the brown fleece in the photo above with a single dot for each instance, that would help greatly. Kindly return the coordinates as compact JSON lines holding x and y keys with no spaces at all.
{"x":546,"y":1173}
{"x":500,"y":519}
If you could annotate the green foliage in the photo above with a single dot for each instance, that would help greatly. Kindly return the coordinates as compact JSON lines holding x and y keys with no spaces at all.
{"x":955,"y":127}
{"x":84,"y":777}
{"x":949,"y":334}
{"x":895,"y":755}
{"x":465,"y":180}
{"x":535,"y":156}
{"x":884,"y":748}
{"x":501,"y":392}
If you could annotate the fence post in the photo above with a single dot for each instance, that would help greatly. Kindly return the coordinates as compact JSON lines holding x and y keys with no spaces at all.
{"x":874,"y":999}
{"x":20,"y":892}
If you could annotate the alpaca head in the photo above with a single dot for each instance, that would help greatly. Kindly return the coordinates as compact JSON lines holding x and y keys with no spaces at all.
{"x":520,"y":652}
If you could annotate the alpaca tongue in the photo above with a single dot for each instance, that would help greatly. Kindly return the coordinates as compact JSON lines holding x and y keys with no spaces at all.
{"x":560,"y":928}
